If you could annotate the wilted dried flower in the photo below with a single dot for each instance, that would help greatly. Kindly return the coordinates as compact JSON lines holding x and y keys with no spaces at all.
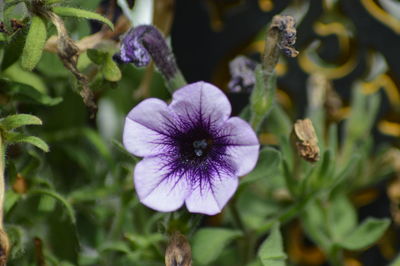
{"x":178,"y":251}
{"x":305,"y":140}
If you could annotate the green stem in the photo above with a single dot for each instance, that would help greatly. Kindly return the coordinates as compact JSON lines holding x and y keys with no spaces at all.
{"x":286,"y":215}
{"x":248,"y":241}
{"x":4,"y":243}
{"x":177,"y":82}
{"x":236,"y":217}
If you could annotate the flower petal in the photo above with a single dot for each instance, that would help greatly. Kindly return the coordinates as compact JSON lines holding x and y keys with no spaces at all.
{"x":211,"y":198}
{"x":243,"y":146}
{"x":155,"y":188}
{"x":145,"y":128}
{"x":201,"y":101}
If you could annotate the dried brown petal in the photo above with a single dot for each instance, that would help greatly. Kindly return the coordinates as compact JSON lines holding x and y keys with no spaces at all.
{"x":178,"y":251}
{"x":305,"y":140}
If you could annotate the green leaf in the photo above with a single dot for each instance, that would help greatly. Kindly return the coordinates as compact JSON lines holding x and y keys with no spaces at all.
{"x":208,"y":243}
{"x":333,"y":139}
{"x":14,"y":121}
{"x":365,"y":234}
{"x":271,"y":251}
{"x":25,"y":93}
{"x":342,"y":217}
{"x":108,"y":67}
{"x":34,"y":43}
{"x":13,"y":137}
{"x":314,"y":223}
{"x":17,"y":74}
{"x":110,"y":70}
{"x":80,"y":13}
{"x":118,"y":246}
{"x":59,"y":198}
{"x":13,"y":49}
{"x":268,"y":165}
{"x":96,"y":56}
{"x":11,"y":199}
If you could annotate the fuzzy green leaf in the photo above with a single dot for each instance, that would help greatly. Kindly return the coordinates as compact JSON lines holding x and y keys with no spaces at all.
{"x":365,"y":234}
{"x":34,"y":43}
{"x":267,"y":165}
{"x":208,"y":243}
{"x":342,"y":217}
{"x":25,"y":93}
{"x":110,"y":70}
{"x":80,"y":13}
{"x":14,"y":121}
{"x":13,"y":49}
{"x":13,"y":137}
{"x":271,"y":251}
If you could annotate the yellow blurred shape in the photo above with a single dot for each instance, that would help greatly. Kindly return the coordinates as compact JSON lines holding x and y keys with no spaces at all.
{"x":381,"y":15}
{"x":334,"y":28}
{"x":389,"y":128}
{"x":265,"y":5}
{"x":351,"y":262}
{"x":322,"y":29}
{"x":268,"y":139}
{"x":383,"y":81}
{"x":307,"y":64}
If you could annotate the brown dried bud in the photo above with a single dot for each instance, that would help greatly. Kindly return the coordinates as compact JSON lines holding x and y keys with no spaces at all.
{"x":20,"y":185}
{"x":178,"y":251}
{"x":305,"y":140}
{"x":287,"y":28}
{"x":281,"y":36}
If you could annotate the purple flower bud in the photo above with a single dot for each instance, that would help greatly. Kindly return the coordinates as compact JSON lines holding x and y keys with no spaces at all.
{"x":143,"y":43}
{"x":242,"y":72}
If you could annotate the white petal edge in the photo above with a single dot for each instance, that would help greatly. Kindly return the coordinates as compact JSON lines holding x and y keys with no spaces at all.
{"x":211,"y":200}
{"x":244,"y":148}
{"x":145,"y":126}
{"x":154,"y":190}
{"x":201,"y":101}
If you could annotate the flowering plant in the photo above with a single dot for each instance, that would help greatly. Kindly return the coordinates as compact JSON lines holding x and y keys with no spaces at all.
{"x":131,"y":137}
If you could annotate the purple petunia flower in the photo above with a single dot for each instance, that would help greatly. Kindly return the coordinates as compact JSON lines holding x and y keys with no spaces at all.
{"x":193,"y":152}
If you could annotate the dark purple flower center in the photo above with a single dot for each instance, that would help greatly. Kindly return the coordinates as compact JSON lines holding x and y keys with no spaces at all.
{"x":197,"y":151}
{"x":197,"y":145}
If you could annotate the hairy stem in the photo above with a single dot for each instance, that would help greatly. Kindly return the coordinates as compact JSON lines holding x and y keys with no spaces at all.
{"x":4,"y":243}
{"x":281,"y":36}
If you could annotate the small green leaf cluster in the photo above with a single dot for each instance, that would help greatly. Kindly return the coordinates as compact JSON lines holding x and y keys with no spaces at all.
{"x":11,"y":122}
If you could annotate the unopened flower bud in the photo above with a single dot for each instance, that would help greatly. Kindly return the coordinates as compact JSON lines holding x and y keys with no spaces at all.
{"x":178,"y":251}
{"x":305,"y":140}
{"x":242,"y":73}
{"x":145,"y":42}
